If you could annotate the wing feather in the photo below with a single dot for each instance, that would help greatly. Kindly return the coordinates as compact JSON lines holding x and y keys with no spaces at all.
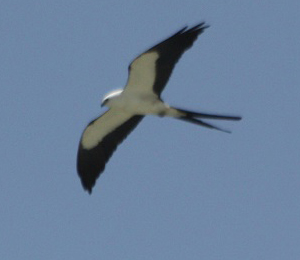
{"x":99,"y":140}
{"x":151,"y":71}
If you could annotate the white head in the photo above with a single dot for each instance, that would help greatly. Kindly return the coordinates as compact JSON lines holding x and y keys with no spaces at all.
{"x":110,"y":95}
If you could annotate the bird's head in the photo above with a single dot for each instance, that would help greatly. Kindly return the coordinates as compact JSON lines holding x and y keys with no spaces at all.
{"x":110,"y":96}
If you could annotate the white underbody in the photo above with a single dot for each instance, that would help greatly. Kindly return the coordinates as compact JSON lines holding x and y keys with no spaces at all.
{"x":141,"y":104}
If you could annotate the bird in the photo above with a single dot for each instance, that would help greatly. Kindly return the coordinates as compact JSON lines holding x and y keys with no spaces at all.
{"x":148,"y":75}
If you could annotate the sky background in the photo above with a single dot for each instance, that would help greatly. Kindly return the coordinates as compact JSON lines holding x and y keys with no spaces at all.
{"x":172,"y":190}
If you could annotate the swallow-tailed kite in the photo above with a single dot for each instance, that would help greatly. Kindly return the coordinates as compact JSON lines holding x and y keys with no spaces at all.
{"x":148,"y":76}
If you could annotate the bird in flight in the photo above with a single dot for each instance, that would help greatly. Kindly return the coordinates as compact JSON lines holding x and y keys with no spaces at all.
{"x":148,"y":76}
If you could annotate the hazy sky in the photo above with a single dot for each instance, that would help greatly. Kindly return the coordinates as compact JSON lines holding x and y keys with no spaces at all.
{"x":172,"y":190}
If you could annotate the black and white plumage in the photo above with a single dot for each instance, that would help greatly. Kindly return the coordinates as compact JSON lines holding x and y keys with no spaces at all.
{"x":148,"y":75}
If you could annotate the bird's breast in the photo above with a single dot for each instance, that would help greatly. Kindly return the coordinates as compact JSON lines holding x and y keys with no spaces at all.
{"x":139,"y":104}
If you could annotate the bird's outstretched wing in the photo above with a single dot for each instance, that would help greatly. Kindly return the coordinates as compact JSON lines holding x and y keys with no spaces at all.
{"x":150,"y":71}
{"x":98,"y":142}
{"x":148,"y":74}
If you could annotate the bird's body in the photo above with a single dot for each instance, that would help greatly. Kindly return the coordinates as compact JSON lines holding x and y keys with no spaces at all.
{"x":141,"y":104}
{"x":148,"y":75}
{"x":138,"y":103}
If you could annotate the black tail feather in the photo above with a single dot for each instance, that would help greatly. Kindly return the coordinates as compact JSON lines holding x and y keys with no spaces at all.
{"x":191,"y":117}
{"x":209,"y":116}
{"x":200,"y":122}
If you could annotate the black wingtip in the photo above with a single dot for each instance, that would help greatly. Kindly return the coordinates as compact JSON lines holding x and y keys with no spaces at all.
{"x":89,"y":190}
{"x":88,"y":182}
{"x":87,"y":186}
{"x":200,"y":27}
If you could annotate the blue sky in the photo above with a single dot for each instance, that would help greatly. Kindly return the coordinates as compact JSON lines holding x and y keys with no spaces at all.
{"x":172,"y":190}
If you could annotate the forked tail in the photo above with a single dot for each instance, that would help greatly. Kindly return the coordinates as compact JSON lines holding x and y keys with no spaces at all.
{"x":193,"y":117}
